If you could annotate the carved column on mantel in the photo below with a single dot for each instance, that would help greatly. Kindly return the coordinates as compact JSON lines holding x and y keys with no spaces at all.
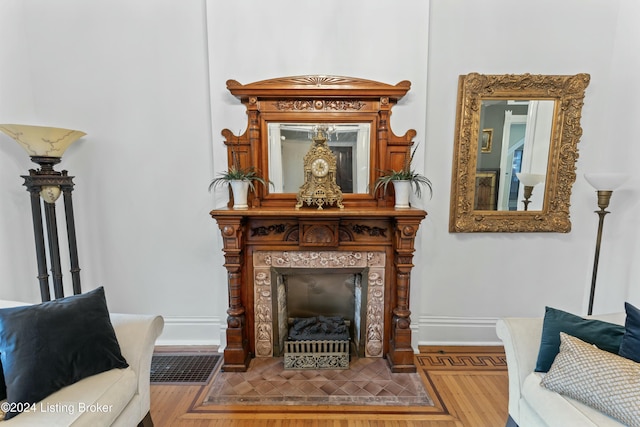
{"x":400,"y":356}
{"x":236,"y":353}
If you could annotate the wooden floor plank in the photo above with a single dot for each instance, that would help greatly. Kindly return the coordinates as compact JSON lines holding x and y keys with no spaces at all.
{"x":467,"y":391}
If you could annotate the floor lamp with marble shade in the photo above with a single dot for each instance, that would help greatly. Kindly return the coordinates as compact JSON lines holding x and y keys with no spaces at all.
{"x":605,"y":184}
{"x":45,"y":146}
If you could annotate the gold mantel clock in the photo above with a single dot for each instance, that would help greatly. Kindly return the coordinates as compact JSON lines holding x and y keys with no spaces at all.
{"x":319,"y":186}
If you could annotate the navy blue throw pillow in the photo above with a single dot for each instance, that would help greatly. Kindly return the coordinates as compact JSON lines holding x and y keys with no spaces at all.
{"x":630,"y":347}
{"x":48,"y":346}
{"x":605,"y":335}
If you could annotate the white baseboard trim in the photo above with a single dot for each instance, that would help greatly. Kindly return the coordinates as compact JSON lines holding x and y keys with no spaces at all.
{"x":450,"y":330}
{"x":190,"y":331}
{"x":429,"y":330}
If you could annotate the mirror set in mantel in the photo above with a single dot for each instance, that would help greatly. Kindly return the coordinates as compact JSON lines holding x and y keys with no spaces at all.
{"x":515,"y":152}
{"x":285,"y":115}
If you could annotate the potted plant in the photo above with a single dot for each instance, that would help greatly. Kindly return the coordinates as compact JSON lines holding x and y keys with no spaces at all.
{"x":240,"y":179}
{"x":402,"y":181}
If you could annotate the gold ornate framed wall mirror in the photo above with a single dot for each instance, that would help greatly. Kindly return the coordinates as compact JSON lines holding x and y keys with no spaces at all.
{"x":284,"y":114}
{"x":515,"y":152}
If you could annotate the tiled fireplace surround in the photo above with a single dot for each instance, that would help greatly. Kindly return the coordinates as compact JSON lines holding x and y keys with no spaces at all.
{"x":378,"y":241}
{"x":264,"y":263}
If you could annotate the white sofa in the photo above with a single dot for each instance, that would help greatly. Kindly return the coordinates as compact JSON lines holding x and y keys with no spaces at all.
{"x":119,"y":397}
{"x":530,"y":404}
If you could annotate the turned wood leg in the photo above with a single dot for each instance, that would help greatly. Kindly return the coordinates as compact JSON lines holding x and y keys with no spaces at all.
{"x":236,"y":353}
{"x":400,"y":356}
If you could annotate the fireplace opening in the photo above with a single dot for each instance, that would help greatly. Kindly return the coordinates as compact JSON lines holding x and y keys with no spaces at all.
{"x":318,"y":300}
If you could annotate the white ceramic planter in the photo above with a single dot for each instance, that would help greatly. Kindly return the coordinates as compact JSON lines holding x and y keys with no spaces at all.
{"x":240,"y":191}
{"x":403,"y":192}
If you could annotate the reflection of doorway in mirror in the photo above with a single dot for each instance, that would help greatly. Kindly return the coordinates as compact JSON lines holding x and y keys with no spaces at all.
{"x":521,"y":140}
{"x":344,"y":166}
{"x":535,"y":154}
{"x":294,"y":148}
{"x":525,"y":148}
{"x":492,"y":117}
{"x":348,"y":141}
{"x":511,"y":160}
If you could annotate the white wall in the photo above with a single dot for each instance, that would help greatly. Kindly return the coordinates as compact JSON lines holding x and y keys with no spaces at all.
{"x":619,"y":142}
{"x":133,"y":76}
{"x":146,"y":80}
{"x":518,"y":274}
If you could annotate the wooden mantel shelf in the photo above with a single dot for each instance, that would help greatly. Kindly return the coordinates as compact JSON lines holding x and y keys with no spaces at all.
{"x":383,"y":229}
{"x":315,"y":213}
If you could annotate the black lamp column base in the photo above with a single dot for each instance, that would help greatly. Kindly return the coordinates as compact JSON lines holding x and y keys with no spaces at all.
{"x":35,"y":181}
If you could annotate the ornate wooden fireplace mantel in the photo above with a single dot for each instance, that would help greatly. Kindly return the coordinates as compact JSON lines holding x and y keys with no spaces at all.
{"x":388,"y":230}
{"x":280,"y":112}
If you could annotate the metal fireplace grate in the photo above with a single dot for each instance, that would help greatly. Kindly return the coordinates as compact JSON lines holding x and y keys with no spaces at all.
{"x":183,"y":368}
{"x":314,"y":354}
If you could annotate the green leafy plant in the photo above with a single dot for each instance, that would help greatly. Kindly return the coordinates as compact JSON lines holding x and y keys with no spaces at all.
{"x":405,"y":174}
{"x":236,"y":173}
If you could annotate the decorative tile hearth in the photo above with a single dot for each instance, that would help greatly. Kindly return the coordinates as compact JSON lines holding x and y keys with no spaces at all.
{"x":367,"y":382}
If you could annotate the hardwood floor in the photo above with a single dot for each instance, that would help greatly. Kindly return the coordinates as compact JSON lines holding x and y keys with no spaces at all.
{"x":469,"y":386}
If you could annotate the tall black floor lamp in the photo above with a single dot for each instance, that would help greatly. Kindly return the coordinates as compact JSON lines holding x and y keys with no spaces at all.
{"x":604,"y":183}
{"x":45,"y":146}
